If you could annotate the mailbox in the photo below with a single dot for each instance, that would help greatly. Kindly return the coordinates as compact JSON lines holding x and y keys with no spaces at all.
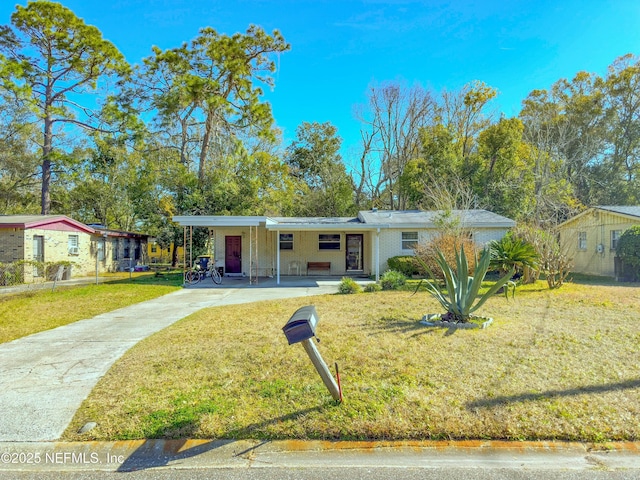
{"x":301,"y":325}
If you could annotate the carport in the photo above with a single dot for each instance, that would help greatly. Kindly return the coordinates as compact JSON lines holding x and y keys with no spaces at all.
{"x":258,"y":238}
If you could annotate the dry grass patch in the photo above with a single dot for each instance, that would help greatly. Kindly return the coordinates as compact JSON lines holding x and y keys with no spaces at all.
{"x":554,"y":365}
{"x":38,"y":310}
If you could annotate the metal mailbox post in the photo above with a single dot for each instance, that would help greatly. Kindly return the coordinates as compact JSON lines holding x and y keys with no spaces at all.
{"x":301,"y":328}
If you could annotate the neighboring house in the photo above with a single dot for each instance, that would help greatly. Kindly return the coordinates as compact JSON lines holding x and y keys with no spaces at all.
{"x":157,"y":254}
{"x":273,"y":246}
{"x":45,"y":238}
{"x":591,"y":237}
{"x":58,"y":238}
{"x":119,"y":250}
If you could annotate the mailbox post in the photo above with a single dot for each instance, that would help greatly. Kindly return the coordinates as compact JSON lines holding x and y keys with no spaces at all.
{"x":301,"y":328}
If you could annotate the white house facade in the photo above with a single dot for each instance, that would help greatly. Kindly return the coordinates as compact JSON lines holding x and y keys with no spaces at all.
{"x":257,"y":246}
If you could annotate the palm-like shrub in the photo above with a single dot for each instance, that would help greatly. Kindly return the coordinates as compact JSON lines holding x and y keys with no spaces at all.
{"x":461,"y":293}
{"x":512,"y":252}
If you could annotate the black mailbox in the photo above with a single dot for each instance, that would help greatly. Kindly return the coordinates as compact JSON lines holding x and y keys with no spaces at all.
{"x":301,"y":325}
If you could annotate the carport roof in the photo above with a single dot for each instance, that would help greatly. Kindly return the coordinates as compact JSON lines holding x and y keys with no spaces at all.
{"x":277,"y":223}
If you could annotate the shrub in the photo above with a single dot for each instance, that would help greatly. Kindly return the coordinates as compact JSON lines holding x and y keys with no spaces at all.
{"x":512,"y":252}
{"x":372,"y":287}
{"x":447,"y":244}
{"x":553,"y":260}
{"x":348,"y":285}
{"x":406,"y":265}
{"x":628,"y":249}
{"x":392,"y":280}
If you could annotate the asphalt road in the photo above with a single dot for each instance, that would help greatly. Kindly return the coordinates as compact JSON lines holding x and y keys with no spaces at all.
{"x":337,"y":473}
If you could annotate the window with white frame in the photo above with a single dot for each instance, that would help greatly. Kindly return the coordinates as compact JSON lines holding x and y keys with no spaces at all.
{"x":615,"y":236}
{"x":73,"y":244}
{"x":286,"y":241}
{"x":329,"y":241}
{"x":409,"y":240}
{"x":582,"y":240}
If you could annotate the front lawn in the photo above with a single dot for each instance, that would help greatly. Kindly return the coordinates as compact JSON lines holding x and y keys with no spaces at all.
{"x":33,"y":311}
{"x":559,"y":364}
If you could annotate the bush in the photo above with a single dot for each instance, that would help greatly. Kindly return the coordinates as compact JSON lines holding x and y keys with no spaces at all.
{"x":513,"y":252}
{"x":628,"y":249}
{"x":406,"y":265}
{"x":348,"y":285}
{"x":553,"y":260}
{"x":392,"y":280}
{"x":448,"y":244}
{"x":372,"y":287}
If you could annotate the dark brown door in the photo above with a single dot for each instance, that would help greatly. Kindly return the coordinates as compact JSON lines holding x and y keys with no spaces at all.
{"x":233,"y":254}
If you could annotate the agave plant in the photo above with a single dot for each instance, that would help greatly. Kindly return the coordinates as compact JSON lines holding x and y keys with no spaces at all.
{"x":461,"y":294}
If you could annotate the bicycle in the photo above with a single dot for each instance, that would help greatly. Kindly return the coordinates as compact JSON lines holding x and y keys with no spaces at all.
{"x":197,"y":273}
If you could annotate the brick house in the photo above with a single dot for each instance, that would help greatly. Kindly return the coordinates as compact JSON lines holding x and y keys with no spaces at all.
{"x":58,"y":238}
{"x":45,"y":238}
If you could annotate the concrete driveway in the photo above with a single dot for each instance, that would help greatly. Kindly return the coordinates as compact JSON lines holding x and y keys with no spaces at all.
{"x":46,"y":376}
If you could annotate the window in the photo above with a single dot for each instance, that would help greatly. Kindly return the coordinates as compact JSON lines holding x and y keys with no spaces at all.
{"x":409,"y":240}
{"x":114,"y":248}
{"x":73,"y":244}
{"x":126,"y":248}
{"x":615,"y":236}
{"x":101,"y":248}
{"x":329,"y":242}
{"x":154,"y":248}
{"x":582,"y":240}
{"x":286,"y":241}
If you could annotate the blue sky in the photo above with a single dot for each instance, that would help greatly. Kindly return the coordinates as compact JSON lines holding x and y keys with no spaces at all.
{"x":339,"y":48}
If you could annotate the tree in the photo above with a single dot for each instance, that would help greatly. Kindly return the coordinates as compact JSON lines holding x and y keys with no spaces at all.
{"x":58,"y":59}
{"x":464,"y":113}
{"x":314,"y":160}
{"x":207,"y":88}
{"x":544,"y":132}
{"x":622,"y":91}
{"x":393,"y":119}
{"x":18,"y":161}
{"x":504,"y":178}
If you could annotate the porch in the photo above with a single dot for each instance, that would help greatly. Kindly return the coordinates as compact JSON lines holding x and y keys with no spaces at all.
{"x":284,"y":250}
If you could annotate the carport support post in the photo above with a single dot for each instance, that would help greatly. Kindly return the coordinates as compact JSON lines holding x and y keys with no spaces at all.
{"x":322,"y":368}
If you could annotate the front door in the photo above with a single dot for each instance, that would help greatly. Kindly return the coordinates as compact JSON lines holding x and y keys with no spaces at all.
{"x":38,"y":254}
{"x":354,"y":253}
{"x":233,"y":254}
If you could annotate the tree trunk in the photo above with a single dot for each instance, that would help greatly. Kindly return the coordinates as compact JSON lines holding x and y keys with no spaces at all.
{"x":46,"y":165}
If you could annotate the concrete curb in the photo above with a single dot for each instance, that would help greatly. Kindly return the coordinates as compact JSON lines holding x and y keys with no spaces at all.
{"x":122,"y":456}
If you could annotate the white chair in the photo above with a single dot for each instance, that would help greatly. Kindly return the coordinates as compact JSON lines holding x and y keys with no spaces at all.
{"x":295,"y":265}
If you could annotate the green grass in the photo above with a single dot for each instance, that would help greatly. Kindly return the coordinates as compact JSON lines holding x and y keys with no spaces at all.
{"x":34,"y":311}
{"x":559,"y":364}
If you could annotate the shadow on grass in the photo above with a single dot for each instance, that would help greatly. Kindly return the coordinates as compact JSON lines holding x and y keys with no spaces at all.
{"x":396,"y":325}
{"x":582,"y":279}
{"x":154,"y":453}
{"x":174,"y":279}
{"x":525,"y":397}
